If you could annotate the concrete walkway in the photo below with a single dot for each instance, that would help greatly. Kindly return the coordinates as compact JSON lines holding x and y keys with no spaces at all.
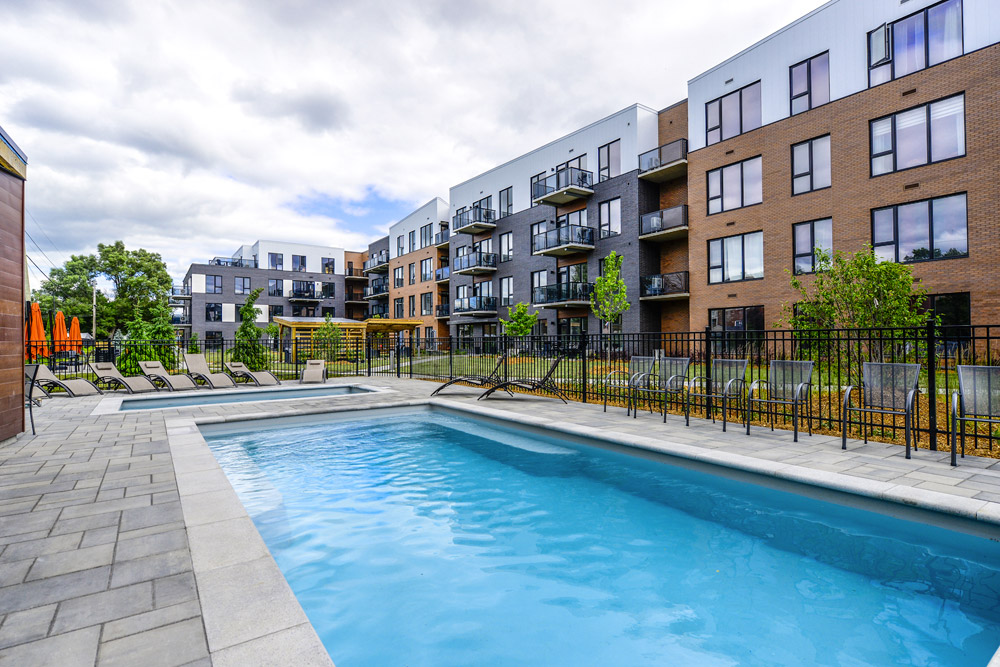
{"x":122,"y":543}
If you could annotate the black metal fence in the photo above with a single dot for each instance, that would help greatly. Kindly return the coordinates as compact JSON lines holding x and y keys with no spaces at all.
{"x":588,"y":359}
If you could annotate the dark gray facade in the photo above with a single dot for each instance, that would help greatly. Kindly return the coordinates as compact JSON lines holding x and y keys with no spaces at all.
{"x":381,"y":305}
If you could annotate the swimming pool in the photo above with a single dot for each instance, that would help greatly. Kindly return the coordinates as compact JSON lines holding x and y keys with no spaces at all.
{"x":423,"y":538}
{"x":236,"y":396}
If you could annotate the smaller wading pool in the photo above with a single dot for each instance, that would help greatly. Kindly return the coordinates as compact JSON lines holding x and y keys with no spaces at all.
{"x":189,"y":399}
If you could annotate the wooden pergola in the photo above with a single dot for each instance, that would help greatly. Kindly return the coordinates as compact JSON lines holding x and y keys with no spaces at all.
{"x":353,"y":332}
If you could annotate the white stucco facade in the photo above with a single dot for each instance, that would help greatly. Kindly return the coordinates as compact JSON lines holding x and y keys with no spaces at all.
{"x":432,"y":213}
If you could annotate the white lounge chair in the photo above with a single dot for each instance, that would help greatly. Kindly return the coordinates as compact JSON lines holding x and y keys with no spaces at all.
{"x":199,"y":370}
{"x":155,"y":371}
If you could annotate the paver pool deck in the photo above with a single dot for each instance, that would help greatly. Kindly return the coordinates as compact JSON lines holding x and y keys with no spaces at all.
{"x":123,"y":543}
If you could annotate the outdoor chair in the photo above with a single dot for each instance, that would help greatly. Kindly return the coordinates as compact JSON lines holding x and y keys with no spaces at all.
{"x":530,"y":384}
{"x":159,"y":375}
{"x":314,"y":372}
{"x":787,"y":383}
{"x":886,"y":389}
{"x":30,"y":374}
{"x":239,"y":371}
{"x":492,"y":379}
{"x":199,"y":370}
{"x":670,"y":380}
{"x":623,"y":381}
{"x":725,"y":382}
{"x":109,"y":374}
{"x":977,"y":400}
{"x":46,"y":380}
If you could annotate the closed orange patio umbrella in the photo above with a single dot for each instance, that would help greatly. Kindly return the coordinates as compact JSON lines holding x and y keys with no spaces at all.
{"x":75,"y":339}
{"x":60,"y":337}
{"x":37,"y":345}
{"x":27,"y":337}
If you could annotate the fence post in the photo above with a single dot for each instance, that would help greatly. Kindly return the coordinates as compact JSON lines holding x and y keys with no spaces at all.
{"x":932,"y":384}
{"x":398,"y":342}
{"x":503,"y":352}
{"x":451,"y":358}
{"x":368,"y":354}
{"x":412,"y":343}
{"x":583,"y":361}
{"x":708,"y":369}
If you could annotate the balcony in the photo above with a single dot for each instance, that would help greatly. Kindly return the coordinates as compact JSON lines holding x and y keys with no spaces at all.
{"x":670,"y":223}
{"x":664,"y":286}
{"x":304,"y":294}
{"x":664,"y":163}
{"x":354,"y":296}
{"x":381,"y":310}
{"x":563,"y":187}
{"x":474,"y":221}
{"x":476,"y":305}
{"x":180,"y":320}
{"x":441,"y":311}
{"x":378,"y":263}
{"x":562,"y":295}
{"x":441,"y":239}
{"x":180,"y":292}
{"x":566,"y":240}
{"x":355,"y":273}
{"x":230,"y":261}
{"x":475,"y":263}
{"x":377,"y":290}
{"x":443,"y":274}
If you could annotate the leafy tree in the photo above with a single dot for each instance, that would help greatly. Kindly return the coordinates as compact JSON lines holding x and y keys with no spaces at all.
{"x":609,"y":299}
{"x":329,"y":337}
{"x":248,"y":348}
{"x":521,"y":322}
{"x":140,"y":281}
{"x":193,"y":346}
{"x":70,"y":289}
{"x":150,"y":338}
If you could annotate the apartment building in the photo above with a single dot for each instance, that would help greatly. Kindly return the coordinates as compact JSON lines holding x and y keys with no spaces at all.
{"x":298,"y":280}
{"x":376,"y":271}
{"x":13,"y":286}
{"x":865,"y":122}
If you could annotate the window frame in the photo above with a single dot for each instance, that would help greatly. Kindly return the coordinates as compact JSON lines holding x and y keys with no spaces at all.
{"x":213,"y":306}
{"x":278,"y":265}
{"x":507,"y":300}
{"x":601,"y":221}
{"x":507,"y":237}
{"x":743,"y":258}
{"x":241,"y":285}
{"x":328,"y":265}
{"x":398,"y":276}
{"x":722,"y":191}
{"x":505,"y":208}
{"x":809,"y":88}
{"x":718,"y":100}
{"x":604,"y":161}
{"x":929,"y":137}
{"x":890,"y":38}
{"x":723,"y":309}
{"x":216,"y":284}
{"x":930,"y":228}
{"x":302,"y":263}
{"x":812,"y":245}
{"x":429,"y":297}
{"x":811,"y":171}
{"x":397,"y":308}
{"x":429,"y":275}
{"x":412,"y":270}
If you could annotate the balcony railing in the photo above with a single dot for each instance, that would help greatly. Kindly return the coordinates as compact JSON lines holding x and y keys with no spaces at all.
{"x":378,"y":311}
{"x":442,"y":310}
{"x":563,"y":187}
{"x":474,"y":221}
{"x":664,"y":163}
{"x":230,"y":261}
{"x":354,"y":295}
{"x":476,"y":304}
{"x":442,"y":274}
{"x":441,"y":238}
{"x":562,"y":294}
{"x":180,"y":319}
{"x":664,"y":286}
{"x":303,"y":293}
{"x":564,"y":240}
{"x":475,"y":263}
{"x":669,"y":222}
{"x":354,"y":273}
{"x":182,"y":290}
{"x":377,"y":289}
{"x":378,"y":261}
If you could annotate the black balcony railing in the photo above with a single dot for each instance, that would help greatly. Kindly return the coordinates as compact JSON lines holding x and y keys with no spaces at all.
{"x":354,"y":273}
{"x":666,"y":154}
{"x":564,"y":178}
{"x":473,"y":216}
{"x":475,"y":260}
{"x":231,"y":261}
{"x":302,"y":293}
{"x":378,"y":311}
{"x":563,"y":236}
{"x":180,"y":319}
{"x":664,"y":220}
{"x":377,"y":260}
{"x":376,"y":288}
{"x":443,"y":273}
{"x":562,"y":293}
{"x":182,"y":290}
{"x":664,"y":284}
{"x":442,"y":310}
{"x":476,"y":304}
{"x":441,"y":237}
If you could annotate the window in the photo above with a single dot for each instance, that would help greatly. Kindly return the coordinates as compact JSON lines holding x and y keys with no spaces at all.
{"x":486,"y":245}
{"x":413,"y":240}
{"x":329,"y":265}
{"x":743,"y":318}
{"x":922,"y":230}
{"x":399,"y":246}
{"x":915,"y":137}
{"x":213,"y":340}
{"x":539,"y":279}
{"x":276,"y":261}
{"x":574,"y":273}
{"x":303,"y":288}
{"x":461,"y":251}
{"x":397,"y":277}
{"x":413,"y":273}
{"x":809,"y":83}
{"x":579,"y":162}
{"x":484,"y":203}
{"x":541,"y":328}
{"x":507,"y":291}
{"x":427,"y":235}
{"x":299,"y":310}
{"x":811,"y":165}
{"x":413,"y":305}
{"x":611,"y":218}
{"x":242,"y":286}
{"x":427,"y":303}
{"x":535,"y":179}
{"x":213,"y":312}
{"x":735,"y":186}
{"x":298,"y":262}
{"x":733,"y":114}
{"x":397,"y":307}
{"x":506,"y":202}
{"x":506,"y":246}
{"x":462,"y":292}
{"x":609,"y":160}
{"x":213,"y":284}
{"x":807,"y":237}
{"x":953,"y":309}
{"x":572,"y":326}
{"x":537,"y":228}
{"x":329,"y":290}
{"x":426,"y":270}
{"x":578,"y":218}
{"x":328,"y":310}
{"x":275,"y":311}
{"x":929,"y":37}
{"x":275,"y":288}
{"x":483,"y":288}
{"x":736,"y":258}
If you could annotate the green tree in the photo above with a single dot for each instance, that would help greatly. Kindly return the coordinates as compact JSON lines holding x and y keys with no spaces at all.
{"x":140,"y":280}
{"x":329,"y":338}
{"x":248,"y":348}
{"x":70,"y":289}
{"x":609,"y":299}
{"x":521,"y":322}
{"x":150,"y":338}
{"x":193,"y":346}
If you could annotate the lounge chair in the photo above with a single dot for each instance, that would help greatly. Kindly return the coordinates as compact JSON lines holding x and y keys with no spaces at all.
{"x":977,"y":400}
{"x":30,"y":372}
{"x":46,"y":379}
{"x":199,"y":370}
{"x":239,"y":371}
{"x":671,"y":379}
{"x":622,"y":380}
{"x":492,"y":379}
{"x":787,"y":383}
{"x":155,"y":371}
{"x":530,"y":384}
{"x":726,"y":382}
{"x":314,"y":372}
{"x":109,"y":374}
{"x":886,"y":389}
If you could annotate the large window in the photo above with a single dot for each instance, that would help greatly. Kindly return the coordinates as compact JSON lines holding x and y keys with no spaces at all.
{"x":507,"y":291}
{"x":329,"y":265}
{"x":275,"y":311}
{"x":535,"y":179}
{"x":242,"y":286}
{"x":539,"y":279}
{"x":578,"y":218}
{"x":413,"y":305}
{"x":213,"y":340}
{"x":426,"y":270}
{"x":328,"y":290}
{"x":412,"y":237}
{"x":732,"y":114}
{"x":741,"y":318}
{"x":399,"y":246}
{"x":275,"y":288}
{"x":574,"y":273}
{"x":922,"y":230}
{"x":506,"y":246}
{"x":413,"y":272}
{"x":931,"y":36}
{"x":928,"y":133}
{"x":579,"y":162}
{"x":397,"y":307}
{"x":506,"y":202}
{"x":611,"y":218}
{"x":735,"y":186}
{"x":609,"y":160}
{"x":276,"y":261}
{"x":213,"y":284}
{"x":952,"y":309}
{"x":427,"y":303}
{"x":811,"y":165}
{"x":397,"y":277}
{"x":736,"y":258}
{"x":809,"y":83}
{"x":298,"y":262}
{"x":484,"y":203}
{"x":807,"y":238}
{"x":213,"y":312}
{"x":427,"y":235}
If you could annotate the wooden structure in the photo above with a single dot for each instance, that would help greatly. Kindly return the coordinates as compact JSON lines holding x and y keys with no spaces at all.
{"x":354,"y":333}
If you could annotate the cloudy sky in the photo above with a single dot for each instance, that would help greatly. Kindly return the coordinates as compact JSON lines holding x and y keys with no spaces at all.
{"x":191,"y":127}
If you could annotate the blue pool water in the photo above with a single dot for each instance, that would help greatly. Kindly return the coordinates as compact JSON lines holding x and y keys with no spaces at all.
{"x":426,"y":539}
{"x":236,"y":396}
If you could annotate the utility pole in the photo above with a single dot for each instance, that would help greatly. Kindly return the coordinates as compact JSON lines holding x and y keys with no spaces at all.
{"x":93,"y":313}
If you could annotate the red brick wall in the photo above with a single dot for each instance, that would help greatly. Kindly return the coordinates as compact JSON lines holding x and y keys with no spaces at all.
{"x":11,"y":305}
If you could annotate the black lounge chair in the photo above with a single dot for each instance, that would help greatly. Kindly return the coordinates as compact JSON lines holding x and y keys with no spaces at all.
{"x":726,"y":382}
{"x":239,"y":371}
{"x":45,"y":379}
{"x":109,"y":374}
{"x":494,"y":378}
{"x":977,"y":400}
{"x":787,"y":383}
{"x":530,"y":384}
{"x":199,"y":370}
{"x":623,"y":380}
{"x":30,"y":373}
{"x":155,"y":371}
{"x":672,"y":378}
{"x":886,"y":389}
